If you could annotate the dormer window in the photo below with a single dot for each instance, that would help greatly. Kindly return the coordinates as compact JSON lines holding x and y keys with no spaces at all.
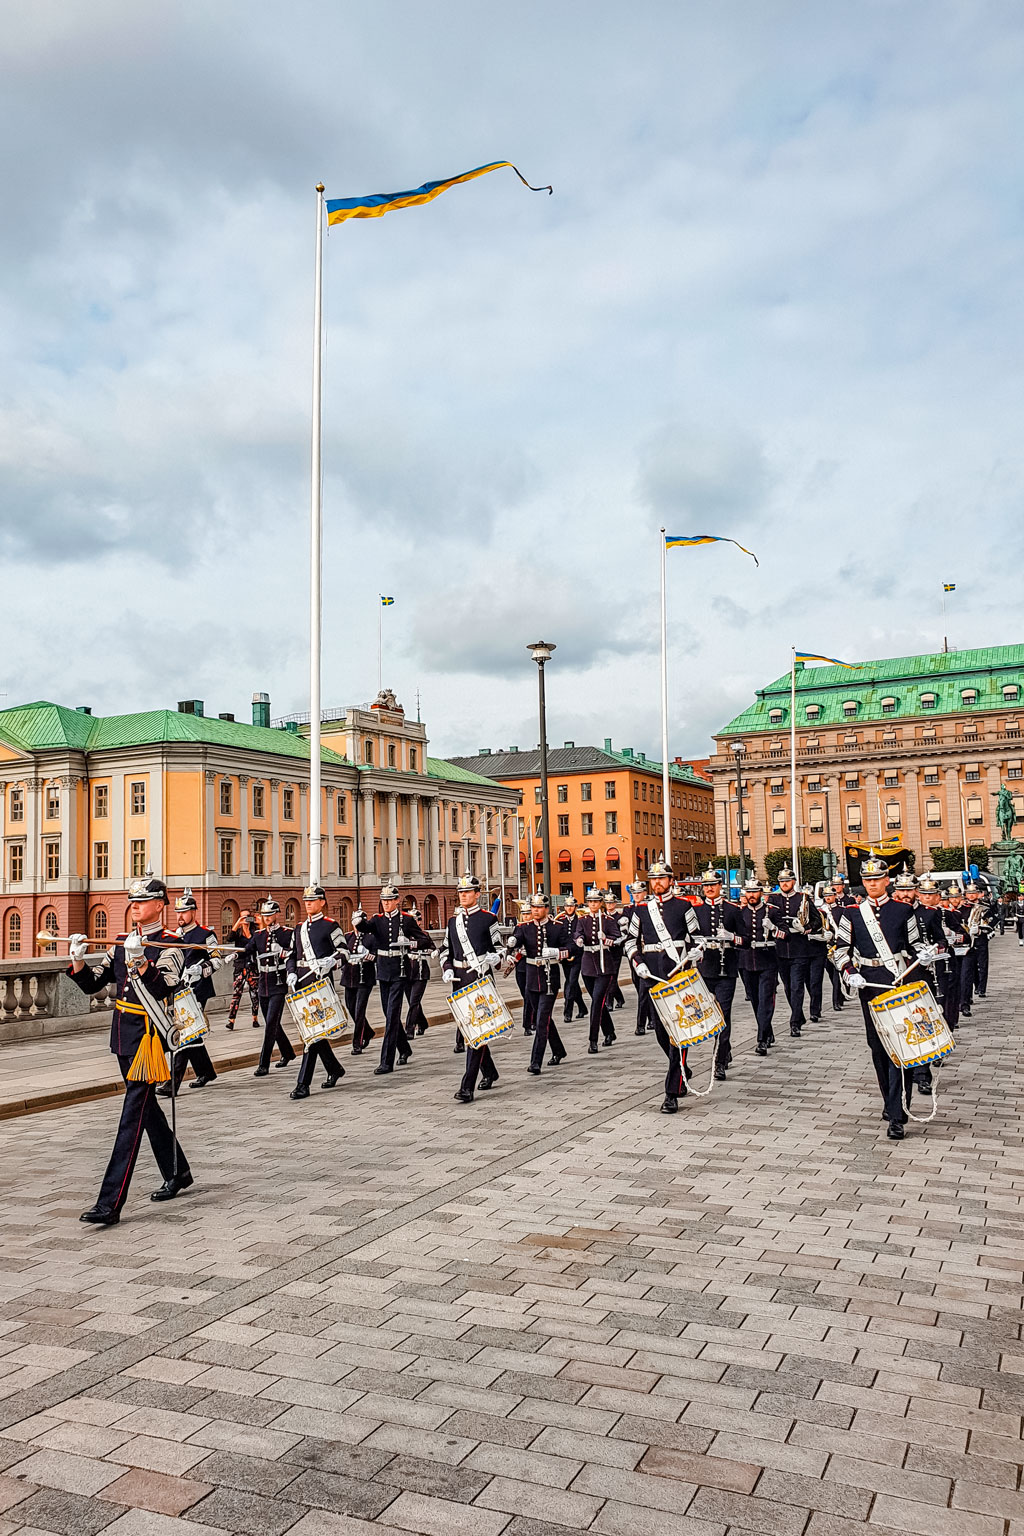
{"x":813,"y":711}
{"x":1011,"y":693}
{"x":889,"y":706}
{"x":929,"y":700}
{"x":775,"y":717}
{"x":850,"y":708}
{"x":969,"y":697}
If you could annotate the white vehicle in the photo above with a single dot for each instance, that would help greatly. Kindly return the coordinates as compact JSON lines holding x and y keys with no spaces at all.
{"x":946,"y":879}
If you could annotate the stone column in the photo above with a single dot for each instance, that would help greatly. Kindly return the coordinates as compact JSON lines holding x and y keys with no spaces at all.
{"x":330,"y":845}
{"x":912,"y":811}
{"x":392,"y":861}
{"x":871,"y":817}
{"x":954,"y":826}
{"x":275,"y":831}
{"x":485,"y":872}
{"x":433,"y":810}
{"x":212,"y":864}
{"x":243,"y":824}
{"x":304,"y":819}
{"x":414,"y":834}
{"x":70,"y":874}
{"x":464,"y":813}
{"x":366,"y":818}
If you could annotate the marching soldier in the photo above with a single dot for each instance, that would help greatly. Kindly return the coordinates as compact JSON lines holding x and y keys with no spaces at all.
{"x":796,"y":918}
{"x":833,"y":908}
{"x":416,"y":984}
{"x":614,"y":910}
{"x":757,"y":961}
{"x":595,"y":934}
{"x":139,"y":969}
{"x":316,"y":951}
{"x":395,"y":935}
{"x":543,"y":943}
{"x":521,"y":970}
{"x":718,"y":963}
{"x":268,"y":951}
{"x":644,"y":1012}
{"x":572,"y":996}
{"x":984,"y":927}
{"x":245,"y":979}
{"x":197,"y":974}
{"x":358,"y":972}
{"x":879,"y":941}
{"x":661,"y":933}
{"x":468,"y":953}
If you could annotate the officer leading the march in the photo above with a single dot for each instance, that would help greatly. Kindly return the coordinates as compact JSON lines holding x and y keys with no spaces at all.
{"x":758,"y":965}
{"x":135,"y":965}
{"x":543,"y":942}
{"x":469,"y":951}
{"x":661,"y":934}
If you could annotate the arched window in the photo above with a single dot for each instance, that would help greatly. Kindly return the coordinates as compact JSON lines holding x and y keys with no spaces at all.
{"x":850,"y":708}
{"x":14,"y":933}
{"x":50,"y":925}
{"x":969,"y":697}
{"x":589,"y":860}
{"x":431,"y":916}
{"x":611,"y":859}
{"x":229,"y":915}
{"x":345,"y":913}
{"x":98,"y":923}
{"x":889,"y":706}
{"x":565,"y":859}
{"x":929,"y":700}
{"x":291,"y":913}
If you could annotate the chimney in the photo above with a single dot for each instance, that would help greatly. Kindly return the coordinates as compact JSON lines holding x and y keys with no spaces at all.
{"x":568,"y":744}
{"x":483,"y":752}
{"x":225,"y":717}
{"x":293,"y":726}
{"x":607,"y":743}
{"x":190,"y":706}
{"x":83,"y":709}
{"x":261,"y":709}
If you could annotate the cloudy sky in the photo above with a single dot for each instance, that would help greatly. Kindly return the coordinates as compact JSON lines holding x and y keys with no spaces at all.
{"x":777,"y":295}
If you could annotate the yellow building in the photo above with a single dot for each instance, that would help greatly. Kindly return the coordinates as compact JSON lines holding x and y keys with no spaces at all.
{"x":88,"y":803}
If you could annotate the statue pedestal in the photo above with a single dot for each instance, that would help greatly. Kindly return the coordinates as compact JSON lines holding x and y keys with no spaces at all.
{"x":1006,"y":860}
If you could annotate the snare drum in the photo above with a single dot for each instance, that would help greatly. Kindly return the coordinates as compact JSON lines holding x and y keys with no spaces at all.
{"x":190,"y":1021}
{"x":910,"y":1025}
{"x":688,"y":1009}
{"x":480,"y":1013}
{"x":319,"y":1013}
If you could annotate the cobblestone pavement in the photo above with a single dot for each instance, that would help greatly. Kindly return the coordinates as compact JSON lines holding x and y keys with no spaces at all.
{"x":552,"y":1310}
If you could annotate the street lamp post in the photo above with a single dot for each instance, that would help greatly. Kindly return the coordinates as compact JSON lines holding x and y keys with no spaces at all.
{"x":739,"y":749}
{"x":541,"y":652}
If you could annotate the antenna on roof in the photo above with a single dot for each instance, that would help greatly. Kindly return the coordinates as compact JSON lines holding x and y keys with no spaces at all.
{"x":418,"y":721}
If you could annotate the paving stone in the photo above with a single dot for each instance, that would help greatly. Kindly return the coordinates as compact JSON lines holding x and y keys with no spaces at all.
{"x":437,"y":1517}
{"x":355,"y":1496}
{"x":66,"y":1514}
{"x":704,"y":1471}
{"x":253,"y":1474}
{"x":230,"y":1509}
{"x":155,"y":1491}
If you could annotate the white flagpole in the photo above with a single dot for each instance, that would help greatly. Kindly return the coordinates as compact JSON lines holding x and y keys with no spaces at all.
{"x":792,"y":771}
{"x":666,"y":807}
{"x":315,"y":558}
{"x":380,"y":641}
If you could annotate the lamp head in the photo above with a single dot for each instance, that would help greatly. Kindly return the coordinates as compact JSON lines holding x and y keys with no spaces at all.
{"x":541,"y":651}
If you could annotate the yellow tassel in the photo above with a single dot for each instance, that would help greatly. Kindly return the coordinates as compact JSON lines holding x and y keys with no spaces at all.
{"x":150,"y":1063}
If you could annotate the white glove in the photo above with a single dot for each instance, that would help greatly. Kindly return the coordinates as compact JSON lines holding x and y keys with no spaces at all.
{"x":192,"y":973}
{"x":359,"y":917}
{"x":134,"y":949}
{"x":796,"y":926}
{"x":856,"y":981}
{"x":490,"y":963}
{"x":641,"y":970}
{"x":361,"y":954}
{"x":324,"y":966}
{"x":292,"y":980}
{"x":550,"y":955}
{"x":79,"y":946}
{"x":447,"y":975}
{"x":927,"y":954}
{"x":215,"y":962}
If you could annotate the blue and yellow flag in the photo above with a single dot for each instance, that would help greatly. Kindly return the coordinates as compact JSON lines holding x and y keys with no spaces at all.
{"x":378,"y":203}
{"x":386,"y":601}
{"x":685,"y":540}
{"x":833,"y":661}
{"x":949,"y":586}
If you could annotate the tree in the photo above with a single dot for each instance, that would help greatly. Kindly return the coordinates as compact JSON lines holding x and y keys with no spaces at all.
{"x":952,"y":859}
{"x":812,"y":864}
{"x":733,"y":862}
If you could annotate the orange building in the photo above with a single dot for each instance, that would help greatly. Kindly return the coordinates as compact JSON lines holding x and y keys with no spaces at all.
{"x":606,"y":814}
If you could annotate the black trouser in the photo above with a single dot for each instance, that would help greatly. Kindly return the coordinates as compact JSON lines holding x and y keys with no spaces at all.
{"x":272,"y":1009}
{"x":615,"y":997}
{"x":140,"y":1113}
{"x":981,"y":964}
{"x":198,"y":1057}
{"x":478,"y":1062}
{"x":415,"y":1018}
{"x":797,"y":974}
{"x":598,"y":989}
{"x":320,"y":1050}
{"x":392,"y":994}
{"x":947,"y":979}
{"x":644,"y":1006}
{"x":784,"y":964}
{"x":573,"y":997}
{"x":724,"y":989}
{"x":815,"y":978}
{"x":889,"y":1076}
{"x":356,"y":1000}
{"x":967,"y":976}
{"x":760,"y":988}
{"x":838,"y":995}
{"x":529,"y":1011}
{"x":544,"y":1029}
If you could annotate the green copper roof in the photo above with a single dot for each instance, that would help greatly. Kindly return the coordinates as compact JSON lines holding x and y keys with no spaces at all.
{"x":946,"y":674}
{"x":43,"y":726}
{"x":439,"y":768}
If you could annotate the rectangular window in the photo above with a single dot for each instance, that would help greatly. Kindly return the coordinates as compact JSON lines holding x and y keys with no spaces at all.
{"x":611,"y":821}
{"x":636,"y":789}
{"x":455,"y":815}
{"x":643,"y":790}
{"x":101,"y":861}
{"x":258,"y":802}
{"x":778,"y":822}
{"x":342,"y":811}
{"x":817,"y":819}
{"x":562,"y":793}
{"x":891,"y":781}
{"x":536,"y":826}
{"x":853,"y":822}
{"x":563,"y":826}
{"x":609,"y":789}
{"x":776,"y":786}
{"x":137,"y":799}
{"x":413,"y":760}
{"x":930,"y":777}
{"x":587,"y":823}
{"x":852,"y":781}
{"x":288,"y":805}
{"x":814,"y":786}
{"x":343,"y":860}
{"x":101,"y":801}
{"x":455,"y":860}
{"x":17,"y":862}
{"x":225,"y":797}
{"x":51,"y":860}
{"x":973,"y":775}
{"x":137,"y":857}
{"x":536,"y":794}
{"x":288,"y":860}
{"x":392,"y":756}
{"x":933,"y":813}
{"x":52,"y":804}
{"x":975,"y":811}
{"x":646,"y":822}
{"x":472,"y":861}
{"x":585,"y":792}
{"x":259,"y":856}
{"x":636,"y":821}
{"x":745,"y":822}
{"x":472,"y":818}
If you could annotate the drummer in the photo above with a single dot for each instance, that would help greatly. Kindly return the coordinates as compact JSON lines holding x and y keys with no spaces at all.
{"x":317,"y":947}
{"x":197,"y":976}
{"x":877,"y":942}
{"x":469,"y":953}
